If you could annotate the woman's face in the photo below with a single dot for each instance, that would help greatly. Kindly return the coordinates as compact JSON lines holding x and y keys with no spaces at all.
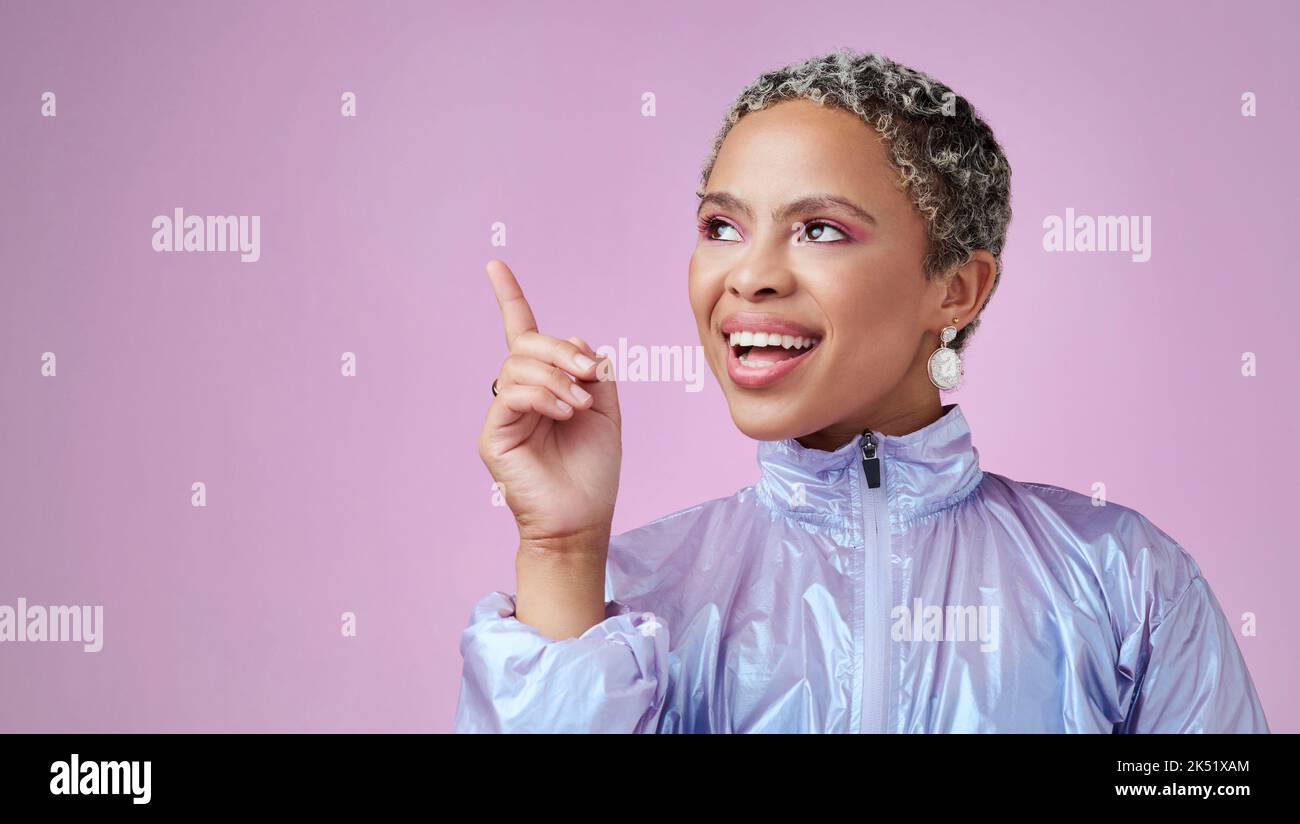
{"x":770,"y":257}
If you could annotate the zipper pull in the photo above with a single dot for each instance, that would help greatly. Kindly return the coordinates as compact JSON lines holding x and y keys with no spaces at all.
{"x":870,"y":461}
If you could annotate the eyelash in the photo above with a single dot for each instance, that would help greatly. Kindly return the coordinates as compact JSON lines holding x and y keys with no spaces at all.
{"x":706,"y":225}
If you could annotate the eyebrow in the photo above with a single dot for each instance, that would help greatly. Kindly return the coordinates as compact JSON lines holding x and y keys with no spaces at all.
{"x":726,"y":200}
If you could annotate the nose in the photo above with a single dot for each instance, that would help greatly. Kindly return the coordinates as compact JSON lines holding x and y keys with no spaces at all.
{"x":760,"y":276}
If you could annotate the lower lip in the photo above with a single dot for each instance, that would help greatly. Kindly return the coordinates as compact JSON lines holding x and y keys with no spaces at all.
{"x":754,"y":377}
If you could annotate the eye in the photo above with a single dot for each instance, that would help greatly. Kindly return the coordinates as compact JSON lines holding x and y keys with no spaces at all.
{"x":816,"y":232}
{"x":709,"y":225}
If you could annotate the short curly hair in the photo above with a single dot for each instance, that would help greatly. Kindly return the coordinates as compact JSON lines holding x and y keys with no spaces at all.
{"x":950,"y":163}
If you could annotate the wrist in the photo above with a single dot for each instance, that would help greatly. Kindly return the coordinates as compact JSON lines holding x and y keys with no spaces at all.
{"x":581,"y":547}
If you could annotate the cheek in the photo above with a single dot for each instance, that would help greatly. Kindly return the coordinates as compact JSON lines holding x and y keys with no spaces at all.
{"x":872,"y":323}
{"x":704,"y":289}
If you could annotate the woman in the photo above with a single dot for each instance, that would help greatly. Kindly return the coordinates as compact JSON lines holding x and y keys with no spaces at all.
{"x":875,"y":578}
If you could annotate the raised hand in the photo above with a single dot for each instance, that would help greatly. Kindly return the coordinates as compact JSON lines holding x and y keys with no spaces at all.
{"x":554,"y":443}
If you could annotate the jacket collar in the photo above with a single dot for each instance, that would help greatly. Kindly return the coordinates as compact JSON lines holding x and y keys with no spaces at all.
{"x":922,"y":472}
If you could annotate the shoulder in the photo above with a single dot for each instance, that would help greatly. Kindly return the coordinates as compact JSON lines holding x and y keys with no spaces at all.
{"x":1138,"y":567}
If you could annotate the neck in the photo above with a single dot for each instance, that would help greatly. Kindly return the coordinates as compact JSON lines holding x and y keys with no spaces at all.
{"x":922,"y":471}
{"x":900,"y":419}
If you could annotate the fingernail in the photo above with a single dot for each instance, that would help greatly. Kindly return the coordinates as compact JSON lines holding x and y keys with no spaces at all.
{"x":584,"y":362}
{"x":564,"y":407}
{"x":582,"y":395}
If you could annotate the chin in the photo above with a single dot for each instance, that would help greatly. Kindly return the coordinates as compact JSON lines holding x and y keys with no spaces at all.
{"x":767,"y":427}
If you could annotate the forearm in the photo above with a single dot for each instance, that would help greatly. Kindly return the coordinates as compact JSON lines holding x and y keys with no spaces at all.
{"x":561,"y":584}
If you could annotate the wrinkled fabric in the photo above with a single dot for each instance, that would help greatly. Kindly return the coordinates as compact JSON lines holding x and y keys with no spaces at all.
{"x":947,"y":599}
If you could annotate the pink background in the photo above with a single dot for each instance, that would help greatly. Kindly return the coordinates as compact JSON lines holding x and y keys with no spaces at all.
{"x":366,"y":494}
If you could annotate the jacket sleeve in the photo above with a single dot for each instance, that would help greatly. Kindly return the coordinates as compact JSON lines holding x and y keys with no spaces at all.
{"x":1195,"y":679}
{"x":610,"y":679}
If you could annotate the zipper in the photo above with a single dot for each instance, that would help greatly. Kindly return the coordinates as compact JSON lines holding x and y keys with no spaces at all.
{"x":875,"y":590}
{"x":870,"y":460}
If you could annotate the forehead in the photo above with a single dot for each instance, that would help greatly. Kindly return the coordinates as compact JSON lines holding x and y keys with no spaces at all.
{"x":798,"y":145}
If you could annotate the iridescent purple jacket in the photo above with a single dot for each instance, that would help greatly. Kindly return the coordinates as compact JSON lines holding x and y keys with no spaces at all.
{"x":889,"y":586}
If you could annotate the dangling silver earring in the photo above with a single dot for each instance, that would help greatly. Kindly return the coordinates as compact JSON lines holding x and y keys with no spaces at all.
{"x":945,"y":364}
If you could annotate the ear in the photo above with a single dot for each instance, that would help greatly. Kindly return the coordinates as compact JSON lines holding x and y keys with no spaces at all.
{"x":966,"y":290}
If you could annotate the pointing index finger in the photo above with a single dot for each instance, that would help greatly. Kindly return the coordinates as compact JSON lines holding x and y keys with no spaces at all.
{"x":515,"y":311}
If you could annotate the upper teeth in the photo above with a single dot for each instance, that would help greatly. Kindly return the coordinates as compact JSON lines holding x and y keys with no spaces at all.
{"x":771,"y":339}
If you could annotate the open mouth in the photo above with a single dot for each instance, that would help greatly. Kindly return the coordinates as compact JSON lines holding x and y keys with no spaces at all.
{"x":762,"y":350}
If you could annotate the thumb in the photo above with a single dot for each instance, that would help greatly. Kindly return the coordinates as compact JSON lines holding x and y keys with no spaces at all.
{"x":604,"y":391}
{"x":583,"y":345}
